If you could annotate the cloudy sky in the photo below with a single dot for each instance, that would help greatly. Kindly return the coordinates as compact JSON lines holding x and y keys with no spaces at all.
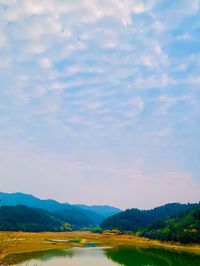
{"x":99,"y":100}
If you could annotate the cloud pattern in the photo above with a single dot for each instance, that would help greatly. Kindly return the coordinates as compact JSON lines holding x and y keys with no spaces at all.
{"x":103,"y":83}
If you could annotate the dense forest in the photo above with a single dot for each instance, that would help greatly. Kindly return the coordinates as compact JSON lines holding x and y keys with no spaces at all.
{"x":171,"y":222}
{"x":23,"y":218}
{"x":74,"y":217}
{"x":24,"y":212}
{"x":184,"y":228}
{"x":77,"y":215}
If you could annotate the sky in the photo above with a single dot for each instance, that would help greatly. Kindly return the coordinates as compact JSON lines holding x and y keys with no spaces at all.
{"x":99,"y":100}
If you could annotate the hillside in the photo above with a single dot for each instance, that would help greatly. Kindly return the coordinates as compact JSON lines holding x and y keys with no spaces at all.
{"x":105,"y":211}
{"x":75,"y":217}
{"x":184,"y":228}
{"x":135,"y":219}
{"x":172,"y":222}
{"x":87,"y":215}
{"x":23,"y":218}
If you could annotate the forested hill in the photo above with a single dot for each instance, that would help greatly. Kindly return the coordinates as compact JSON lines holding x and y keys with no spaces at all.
{"x":184,"y":228}
{"x":172,"y":222}
{"x":135,"y":219}
{"x":92,"y":215}
{"x":23,"y":218}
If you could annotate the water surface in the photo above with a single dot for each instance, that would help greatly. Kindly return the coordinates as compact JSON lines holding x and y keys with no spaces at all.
{"x":108,"y":257}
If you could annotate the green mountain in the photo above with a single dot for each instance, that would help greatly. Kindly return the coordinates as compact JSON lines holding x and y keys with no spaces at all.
{"x":184,"y":228}
{"x":75,"y":217}
{"x":78,"y":215}
{"x":171,"y":222}
{"x":135,"y":219}
{"x":23,"y":218}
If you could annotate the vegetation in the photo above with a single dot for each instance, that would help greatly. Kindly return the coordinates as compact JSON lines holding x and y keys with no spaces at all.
{"x":184,"y":228}
{"x":23,"y":218}
{"x":78,"y":215}
{"x":97,"y":230}
{"x":75,"y":217}
{"x":171,"y":222}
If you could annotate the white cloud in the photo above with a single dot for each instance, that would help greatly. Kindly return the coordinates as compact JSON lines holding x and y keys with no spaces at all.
{"x":45,"y":63}
{"x":98,"y":69}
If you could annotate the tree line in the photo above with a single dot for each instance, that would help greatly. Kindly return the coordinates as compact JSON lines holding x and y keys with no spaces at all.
{"x":171,"y":222}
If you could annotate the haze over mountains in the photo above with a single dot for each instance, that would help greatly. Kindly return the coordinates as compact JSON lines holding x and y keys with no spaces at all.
{"x":92,"y":214}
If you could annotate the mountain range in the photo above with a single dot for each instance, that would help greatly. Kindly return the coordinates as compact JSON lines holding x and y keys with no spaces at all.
{"x":171,"y":222}
{"x":78,"y":214}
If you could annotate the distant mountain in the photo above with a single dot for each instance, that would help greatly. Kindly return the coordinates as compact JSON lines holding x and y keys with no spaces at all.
{"x":78,"y":215}
{"x":135,"y":219}
{"x":13,"y":199}
{"x":105,"y":211}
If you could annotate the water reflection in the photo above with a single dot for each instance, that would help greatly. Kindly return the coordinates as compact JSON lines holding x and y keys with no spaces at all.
{"x":151,"y":257}
{"x":41,"y":256}
{"x":107,"y":257}
{"x":72,"y":257}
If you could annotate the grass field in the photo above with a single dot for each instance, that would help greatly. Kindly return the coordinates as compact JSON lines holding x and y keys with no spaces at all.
{"x":27,"y":242}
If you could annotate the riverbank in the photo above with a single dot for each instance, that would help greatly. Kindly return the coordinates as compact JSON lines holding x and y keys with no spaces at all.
{"x":29,"y":242}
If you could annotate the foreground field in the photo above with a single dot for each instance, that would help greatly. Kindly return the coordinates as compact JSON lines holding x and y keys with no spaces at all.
{"x":28,"y":242}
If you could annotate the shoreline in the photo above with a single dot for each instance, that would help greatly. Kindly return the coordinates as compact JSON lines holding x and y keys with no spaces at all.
{"x":36,"y":242}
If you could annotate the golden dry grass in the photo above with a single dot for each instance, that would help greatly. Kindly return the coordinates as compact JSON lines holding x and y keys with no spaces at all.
{"x":28,"y":242}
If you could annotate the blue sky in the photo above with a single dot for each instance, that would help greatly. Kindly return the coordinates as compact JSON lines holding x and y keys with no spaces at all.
{"x":99,"y":100}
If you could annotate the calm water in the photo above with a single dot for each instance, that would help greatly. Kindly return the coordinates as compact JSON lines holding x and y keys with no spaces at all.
{"x":108,"y":257}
